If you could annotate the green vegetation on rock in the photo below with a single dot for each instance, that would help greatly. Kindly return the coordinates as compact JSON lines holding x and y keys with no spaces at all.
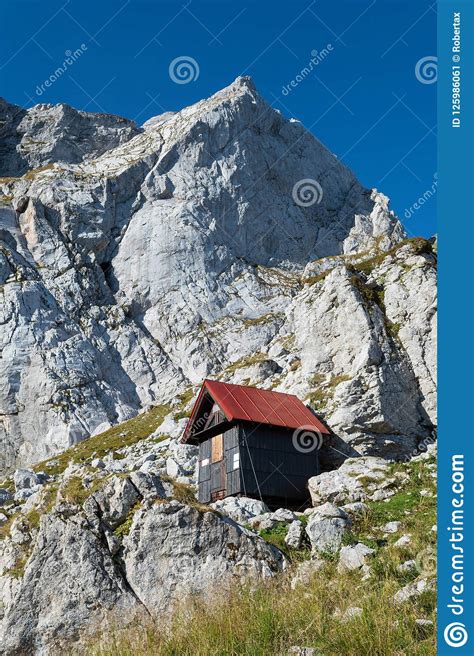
{"x":123,"y":529}
{"x":184,"y":400}
{"x":75,"y":492}
{"x":418,"y":245}
{"x":246,"y":361}
{"x":323,"y":390}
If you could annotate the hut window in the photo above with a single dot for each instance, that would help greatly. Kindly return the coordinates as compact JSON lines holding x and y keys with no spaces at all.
{"x":217,"y":448}
{"x":236,"y":461}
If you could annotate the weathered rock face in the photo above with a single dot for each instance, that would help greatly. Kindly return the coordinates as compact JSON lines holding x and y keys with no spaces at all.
{"x":326,"y":528}
{"x":56,"y":133}
{"x":154,"y":257}
{"x":68,"y":574}
{"x":192,"y":552}
{"x":79,"y":569}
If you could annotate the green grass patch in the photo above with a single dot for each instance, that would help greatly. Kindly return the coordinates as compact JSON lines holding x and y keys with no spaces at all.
{"x":263,"y":319}
{"x":6,"y":526}
{"x":313,"y":280}
{"x":419,"y":246}
{"x":184,"y":398}
{"x":296,"y":364}
{"x":272,"y":618}
{"x":324,"y":389}
{"x":124,"y":529}
{"x":276,"y":535}
{"x":18,"y":569}
{"x":9,"y":485}
{"x":246,"y":361}
{"x":31,"y":175}
{"x":185,"y":493}
{"x":74,"y":491}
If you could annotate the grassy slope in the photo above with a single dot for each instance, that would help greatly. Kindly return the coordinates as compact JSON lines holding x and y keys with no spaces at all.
{"x":124,"y":434}
{"x":272,"y":618}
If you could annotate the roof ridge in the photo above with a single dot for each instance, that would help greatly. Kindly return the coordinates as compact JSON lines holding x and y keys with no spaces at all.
{"x":260,"y":389}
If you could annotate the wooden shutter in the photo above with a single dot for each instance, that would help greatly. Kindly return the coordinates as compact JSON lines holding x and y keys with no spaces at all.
{"x":217,"y":448}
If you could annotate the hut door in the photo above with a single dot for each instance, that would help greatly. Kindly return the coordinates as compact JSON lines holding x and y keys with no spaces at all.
{"x":218,"y":473}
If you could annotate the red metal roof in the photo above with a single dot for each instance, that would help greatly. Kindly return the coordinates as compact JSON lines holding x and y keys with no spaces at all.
{"x":241,"y":403}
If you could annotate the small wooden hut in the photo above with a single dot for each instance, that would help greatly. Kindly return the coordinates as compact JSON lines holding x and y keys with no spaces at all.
{"x":253,"y":442}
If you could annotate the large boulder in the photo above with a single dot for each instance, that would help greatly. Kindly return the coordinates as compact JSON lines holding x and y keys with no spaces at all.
{"x":26,"y":479}
{"x":114,"y":501}
{"x":354,"y":481}
{"x":174,"y":550}
{"x":326,"y":528}
{"x":240,"y":509}
{"x":70,"y":581}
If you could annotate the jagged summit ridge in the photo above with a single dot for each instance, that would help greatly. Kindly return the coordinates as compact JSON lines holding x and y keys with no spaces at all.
{"x":46,"y":133}
{"x":179,"y":251}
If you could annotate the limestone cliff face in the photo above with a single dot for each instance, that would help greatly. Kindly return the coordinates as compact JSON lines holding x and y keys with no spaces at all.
{"x":136,"y":261}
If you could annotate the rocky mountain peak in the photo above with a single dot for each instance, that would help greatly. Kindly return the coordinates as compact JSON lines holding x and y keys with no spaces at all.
{"x":222,"y":240}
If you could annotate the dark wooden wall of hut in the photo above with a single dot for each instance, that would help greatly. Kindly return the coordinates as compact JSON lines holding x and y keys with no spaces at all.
{"x":259,"y":461}
{"x":272,"y":467}
{"x":212,"y":476}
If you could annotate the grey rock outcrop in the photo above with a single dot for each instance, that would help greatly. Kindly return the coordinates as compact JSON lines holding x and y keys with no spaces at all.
{"x":352,"y":482}
{"x":353,"y":557}
{"x":191,"y":552}
{"x":5,"y":496}
{"x":68,"y":574}
{"x":26,"y":479}
{"x":36,"y":137}
{"x":131,"y":549}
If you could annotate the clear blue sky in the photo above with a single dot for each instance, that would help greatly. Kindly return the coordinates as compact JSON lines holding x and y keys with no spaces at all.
{"x":363,"y":100}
